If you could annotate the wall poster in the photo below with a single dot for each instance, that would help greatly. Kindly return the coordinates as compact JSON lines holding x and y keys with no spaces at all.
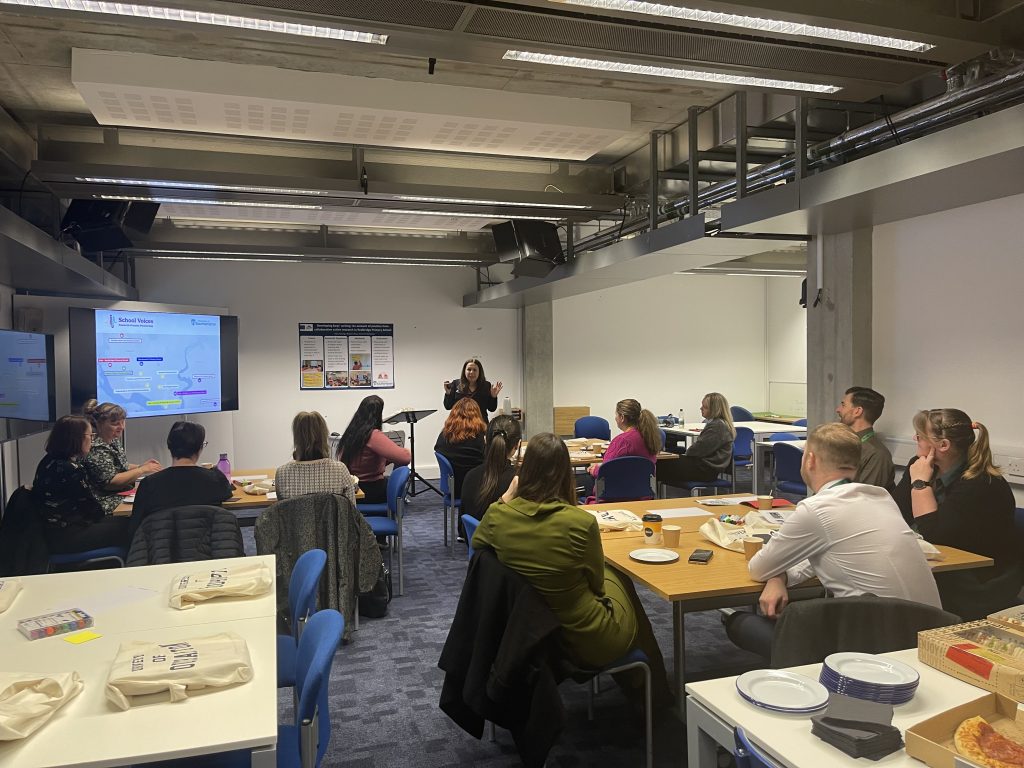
{"x":346,"y":355}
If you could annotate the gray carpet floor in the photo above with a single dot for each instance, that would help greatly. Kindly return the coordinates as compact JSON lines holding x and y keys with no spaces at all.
{"x":385,"y":684}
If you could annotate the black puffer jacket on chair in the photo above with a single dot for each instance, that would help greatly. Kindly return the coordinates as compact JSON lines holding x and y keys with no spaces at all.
{"x":183,"y":534}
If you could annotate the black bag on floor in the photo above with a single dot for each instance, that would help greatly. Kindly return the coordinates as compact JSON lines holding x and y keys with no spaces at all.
{"x":374,"y":604}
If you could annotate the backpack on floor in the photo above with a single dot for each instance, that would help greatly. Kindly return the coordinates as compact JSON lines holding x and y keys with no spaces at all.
{"x":374,"y":604}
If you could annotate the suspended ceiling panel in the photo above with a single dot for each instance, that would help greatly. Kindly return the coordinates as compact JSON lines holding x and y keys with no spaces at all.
{"x":331,"y":218}
{"x":141,"y":90}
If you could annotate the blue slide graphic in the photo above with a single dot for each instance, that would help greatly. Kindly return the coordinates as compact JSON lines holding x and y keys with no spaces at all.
{"x":23,"y":391}
{"x":158,"y":363}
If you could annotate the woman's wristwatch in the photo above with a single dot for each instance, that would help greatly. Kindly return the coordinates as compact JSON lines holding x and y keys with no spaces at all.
{"x":920,"y":485}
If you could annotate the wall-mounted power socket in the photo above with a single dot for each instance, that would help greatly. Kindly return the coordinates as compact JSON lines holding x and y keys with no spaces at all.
{"x":1014,"y":466}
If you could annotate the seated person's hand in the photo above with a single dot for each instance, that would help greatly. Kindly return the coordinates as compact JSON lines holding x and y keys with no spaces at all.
{"x":513,"y":488}
{"x":150,"y":466}
{"x":774,"y":597}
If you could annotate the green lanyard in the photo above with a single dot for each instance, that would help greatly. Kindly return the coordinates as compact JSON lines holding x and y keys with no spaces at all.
{"x":867,"y":435}
{"x":841,"y":481}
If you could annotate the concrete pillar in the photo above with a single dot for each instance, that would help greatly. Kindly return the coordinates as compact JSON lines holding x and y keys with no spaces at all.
{"x":839,"y":327}
{"x":538,"y":368}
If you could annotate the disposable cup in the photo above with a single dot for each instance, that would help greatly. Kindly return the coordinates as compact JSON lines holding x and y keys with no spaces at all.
{"x":751,"y":546}
{"x":671,"y":535}
{"x":764,"y":502}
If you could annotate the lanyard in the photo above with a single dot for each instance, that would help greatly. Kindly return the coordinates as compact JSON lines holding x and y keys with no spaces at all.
{"x":867,"y":435}
{"x":841,"y":481}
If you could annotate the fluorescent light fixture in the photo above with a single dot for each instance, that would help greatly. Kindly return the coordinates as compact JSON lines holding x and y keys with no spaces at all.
{"x":460,"y":214}
{"x":410,"y":263}
{"x":755,"y":23}
{"x":465,"y":201}
{"x":204,"y":17}
{"x":199,"y":185}
{"x":678,"y":74}
{"x":227,"y":258}
{"x":190,"y":201}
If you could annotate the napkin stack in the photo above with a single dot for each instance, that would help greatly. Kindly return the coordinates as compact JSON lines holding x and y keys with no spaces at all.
{"x":857,"y":727}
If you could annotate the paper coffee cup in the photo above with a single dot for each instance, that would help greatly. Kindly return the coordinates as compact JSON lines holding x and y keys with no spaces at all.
{"x":764,"y":502}
{"x":671,"y":535}
{"x":652,"y":529}
{"x":751,"y":546}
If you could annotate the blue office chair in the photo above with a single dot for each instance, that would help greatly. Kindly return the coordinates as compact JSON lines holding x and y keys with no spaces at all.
{"x":449,"y":502}
{"x":664,"y":437}
{"x":800,"y":423}
{"x":391,"y":526}
{"x":695,"y":486}
{"x":743,"y":448}
{"x":777,"y":437}
{"x":78,"y":560}
{"x":593,"y":427}
{"x":739,"y":413}
{"x":627,"y":478}
{"x":302,"y":591}
{"x":787,"y":469}
{"x":470,"y":523}
{"x":749,"y":756}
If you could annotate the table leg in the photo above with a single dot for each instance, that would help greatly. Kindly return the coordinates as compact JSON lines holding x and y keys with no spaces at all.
{"x":704,"y":734}
{"x":678,"y":652}
{"x":756,"y":469}
{"x":264,"y":757}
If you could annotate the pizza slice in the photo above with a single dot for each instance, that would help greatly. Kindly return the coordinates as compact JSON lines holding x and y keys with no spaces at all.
{"x":979,"y":742}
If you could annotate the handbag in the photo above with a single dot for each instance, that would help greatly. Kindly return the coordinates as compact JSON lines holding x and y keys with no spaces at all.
{"x":374,"y":604}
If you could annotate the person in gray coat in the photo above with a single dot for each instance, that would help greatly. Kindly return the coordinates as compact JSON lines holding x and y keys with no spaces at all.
{"x":710,"y":453}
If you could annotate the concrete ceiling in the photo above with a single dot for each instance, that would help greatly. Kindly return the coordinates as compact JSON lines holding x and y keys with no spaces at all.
{"x":468,"y":39}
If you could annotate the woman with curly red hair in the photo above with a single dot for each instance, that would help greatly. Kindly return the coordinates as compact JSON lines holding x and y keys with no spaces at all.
{"x":462,"y":440}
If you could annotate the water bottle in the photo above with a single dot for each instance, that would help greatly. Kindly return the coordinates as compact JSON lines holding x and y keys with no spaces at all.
{"x":506,"y":406}
{"x":681,"y":419}
{"x":224,"y":466}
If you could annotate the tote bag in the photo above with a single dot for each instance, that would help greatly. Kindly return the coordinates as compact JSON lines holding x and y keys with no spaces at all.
{"x":230,"y":581}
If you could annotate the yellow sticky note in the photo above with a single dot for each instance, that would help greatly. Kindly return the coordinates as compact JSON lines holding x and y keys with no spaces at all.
{"x":81,"y":637}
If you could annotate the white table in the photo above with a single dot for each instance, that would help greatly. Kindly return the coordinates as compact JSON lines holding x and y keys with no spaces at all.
{"x":761,"y":450}
{"x":131,"y":604}
{"x":714,"y":709}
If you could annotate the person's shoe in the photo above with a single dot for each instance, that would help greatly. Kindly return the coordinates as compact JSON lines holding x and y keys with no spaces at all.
{"x":460,"y":539}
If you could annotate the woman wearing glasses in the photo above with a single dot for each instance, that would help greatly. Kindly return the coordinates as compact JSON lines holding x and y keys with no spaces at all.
{"x":73,"y":520}
{"x":107,"y":463}
{"x":953,"y":494}
{"x":184,"y":483}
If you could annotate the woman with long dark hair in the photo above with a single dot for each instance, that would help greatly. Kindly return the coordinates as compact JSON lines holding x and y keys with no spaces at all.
{"x":473,"y":384}
{"x":538,"y":531}
{"x":484,"y":484}
{"x":366,"y":450}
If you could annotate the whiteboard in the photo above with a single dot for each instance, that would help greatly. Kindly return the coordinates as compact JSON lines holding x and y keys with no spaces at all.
{"x":788,"y":398}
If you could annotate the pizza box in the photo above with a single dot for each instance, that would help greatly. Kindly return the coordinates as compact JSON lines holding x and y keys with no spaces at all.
{"x":982,"y":653}
{"x":931,"y":740}
{"x":1011,"y":617}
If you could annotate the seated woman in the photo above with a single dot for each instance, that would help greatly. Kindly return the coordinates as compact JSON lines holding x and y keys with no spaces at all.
{"x":184,"y":483}
{"x":537,"y":531}
{"x":640,"y":435}
{"x":483,"y":485}
{"x":710,"y":453}
{"x":107,"y":464}
{"x":365,"y":450}
{"x":74,"y":520}
{"x":313,"y":470}
{"x":953,"y":494}
{"x":462,"y":440}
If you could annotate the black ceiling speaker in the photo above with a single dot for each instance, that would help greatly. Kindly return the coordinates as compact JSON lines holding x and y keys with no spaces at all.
{"x":534,"y":246}
{"x":107,"y":225}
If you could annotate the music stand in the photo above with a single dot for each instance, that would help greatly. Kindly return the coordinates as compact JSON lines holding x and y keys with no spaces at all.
{"x":410,"y":418}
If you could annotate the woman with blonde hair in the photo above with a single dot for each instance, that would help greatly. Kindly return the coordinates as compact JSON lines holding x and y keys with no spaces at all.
{"x":312,"y":470}
{"x":711,"y":451}
{"x":107,"y":463}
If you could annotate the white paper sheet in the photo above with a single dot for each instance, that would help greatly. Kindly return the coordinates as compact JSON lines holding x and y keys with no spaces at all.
{"x":680,"y":512}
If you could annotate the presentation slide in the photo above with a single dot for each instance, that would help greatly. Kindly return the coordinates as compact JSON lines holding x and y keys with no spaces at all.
{"x":24,"y":391}
{"x":156,"y":363}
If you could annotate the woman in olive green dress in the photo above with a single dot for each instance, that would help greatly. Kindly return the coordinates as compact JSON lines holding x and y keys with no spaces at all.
{"x":537,"y":531}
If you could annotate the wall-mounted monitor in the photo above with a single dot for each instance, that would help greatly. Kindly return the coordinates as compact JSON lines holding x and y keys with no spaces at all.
{"x":154,"y":363}
{"x":28,"y":401}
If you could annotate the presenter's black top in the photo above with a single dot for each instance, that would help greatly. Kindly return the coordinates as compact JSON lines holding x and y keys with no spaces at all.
{"x":482,"y":395}
{"x":471,"y":503}
{"x":179,"y":487}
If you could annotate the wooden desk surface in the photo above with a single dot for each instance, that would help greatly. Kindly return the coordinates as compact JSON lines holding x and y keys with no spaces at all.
{"x":726,"y":573}
{"x":585,"y":451}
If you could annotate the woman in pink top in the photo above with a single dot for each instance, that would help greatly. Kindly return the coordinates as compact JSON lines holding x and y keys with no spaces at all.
{"x":640,"y":434}
{"x":365,"y":450}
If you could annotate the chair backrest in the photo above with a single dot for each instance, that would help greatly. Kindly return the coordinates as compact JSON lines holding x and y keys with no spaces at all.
{"x":739,"y":413}
{"x":743,"y":445}
{"x":749,"y":756}
{"x":397,"y":486}
{"x":810,"y":630}
{"x":627,"y":478}
{"x":469,"y":523}
{"x":664,"y":437}
{"x":317,"y":647}
{"x":800,"y":423}
{"x":776,"y":437}
{"x":787,"y":462}
{"x":186,"y":534}
{"x":303,"y":587}
{"x":593,"y":427}
{"x":447,"y":474}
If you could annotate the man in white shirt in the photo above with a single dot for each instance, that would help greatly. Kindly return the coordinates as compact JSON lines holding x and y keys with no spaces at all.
{"x":850,"y":535}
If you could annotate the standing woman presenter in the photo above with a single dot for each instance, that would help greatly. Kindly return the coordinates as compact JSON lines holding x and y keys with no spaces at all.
{"x":472,"y":383}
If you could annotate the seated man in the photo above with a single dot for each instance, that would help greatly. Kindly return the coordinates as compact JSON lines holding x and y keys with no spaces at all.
{"x":860,"y":408}
{"x":850,"y":535}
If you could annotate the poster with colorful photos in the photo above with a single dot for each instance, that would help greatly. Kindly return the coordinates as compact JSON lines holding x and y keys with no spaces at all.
{"x":346,"y":356}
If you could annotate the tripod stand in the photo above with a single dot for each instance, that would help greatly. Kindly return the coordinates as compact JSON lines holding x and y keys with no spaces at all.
{"x":410,"y":418}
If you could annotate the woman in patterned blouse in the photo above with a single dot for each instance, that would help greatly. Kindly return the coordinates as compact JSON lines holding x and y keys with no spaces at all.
{"x":107,"y":464}
{"x":74,"y":520}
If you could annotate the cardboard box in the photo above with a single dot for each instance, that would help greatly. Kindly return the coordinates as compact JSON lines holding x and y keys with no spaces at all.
{"x":1011,"y":617}
{"x":971,"y":652}
{"x":931,"y":740}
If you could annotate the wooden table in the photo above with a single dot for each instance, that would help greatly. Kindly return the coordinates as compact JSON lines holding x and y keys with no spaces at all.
{"x":775,"y":418}
{"x":588,"y":451}
{"x":131,"y":604}
{"x":722,"y":583}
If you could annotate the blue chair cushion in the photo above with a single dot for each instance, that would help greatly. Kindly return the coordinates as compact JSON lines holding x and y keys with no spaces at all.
{"x":286,"y":653}
{"x":632,"y":657}
{"x":372,"y":509}
{"x":383,"y":526}
{"x":70,"y":558}
{"x":791,"y":486}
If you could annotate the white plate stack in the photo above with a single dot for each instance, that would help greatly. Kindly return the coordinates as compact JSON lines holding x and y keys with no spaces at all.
{"x":870,"y":677}
{"x":782,"y":691}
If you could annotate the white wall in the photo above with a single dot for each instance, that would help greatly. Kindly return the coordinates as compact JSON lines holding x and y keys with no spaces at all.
{"x":948,"y":322}
{"x":786,"y":345}
{"x":670,"y":340}
{"x":434,"y":334}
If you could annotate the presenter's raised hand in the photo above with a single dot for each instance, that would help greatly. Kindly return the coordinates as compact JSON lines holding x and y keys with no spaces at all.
{"x":496,"y":388}
{"x":448,"y":386}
